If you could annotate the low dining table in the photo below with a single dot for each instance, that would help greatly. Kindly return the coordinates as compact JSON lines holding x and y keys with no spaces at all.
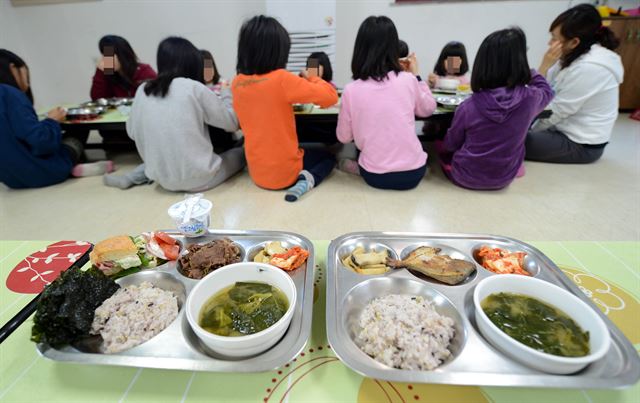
{"x":311,"y":115}
{"x":607,"y":272}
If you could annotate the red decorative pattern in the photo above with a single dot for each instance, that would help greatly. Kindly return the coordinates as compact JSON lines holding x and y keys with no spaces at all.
{"x":42,"y":267}
{"x":296,"y":374}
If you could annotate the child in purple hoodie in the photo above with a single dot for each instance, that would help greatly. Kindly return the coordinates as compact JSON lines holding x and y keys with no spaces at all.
{"x":484,"y":148}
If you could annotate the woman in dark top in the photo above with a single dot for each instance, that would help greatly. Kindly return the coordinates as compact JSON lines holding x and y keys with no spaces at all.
{"x":119,"y":73}
{"x":34,"y":153}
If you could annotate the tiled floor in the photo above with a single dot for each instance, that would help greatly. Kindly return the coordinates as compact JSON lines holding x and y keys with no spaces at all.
{"x":551,"y":202}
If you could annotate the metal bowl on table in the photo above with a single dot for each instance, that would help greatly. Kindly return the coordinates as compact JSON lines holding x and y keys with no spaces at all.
{"x":107,"y":103}
{"x":115,"y":102}
{"x":450,"y":100}
{"x":100,"y":102}
{"x":84,"y":113}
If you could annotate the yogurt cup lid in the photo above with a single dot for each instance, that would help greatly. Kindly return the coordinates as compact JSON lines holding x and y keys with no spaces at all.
{"x":178,"y":210}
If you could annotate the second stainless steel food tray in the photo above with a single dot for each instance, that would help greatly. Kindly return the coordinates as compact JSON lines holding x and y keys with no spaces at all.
{"x":177,"y":346}
{"x":474,"y":361}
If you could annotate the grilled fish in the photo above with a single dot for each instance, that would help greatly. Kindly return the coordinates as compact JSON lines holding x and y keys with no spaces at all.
{"x":427,"y":261}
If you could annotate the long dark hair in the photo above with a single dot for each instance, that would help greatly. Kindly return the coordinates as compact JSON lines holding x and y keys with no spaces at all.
{"x":263,"y":46}
{"x":7,"y":58}
{"x":452,"y":49}
{"x":501,"y":61}
{"x":177,"y":57}
{"x":377,"y":49}
{"x":206,"y":55}
{"x":583,"y":22}
{"x":323,"y":60}
{"x":126,"y":56}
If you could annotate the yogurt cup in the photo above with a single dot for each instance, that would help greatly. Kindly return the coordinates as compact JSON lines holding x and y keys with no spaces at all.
{"x":198,"y":225}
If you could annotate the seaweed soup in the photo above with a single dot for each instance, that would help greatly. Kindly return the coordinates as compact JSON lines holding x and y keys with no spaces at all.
{"x":536,"y":324}
{"x":242,"y":309}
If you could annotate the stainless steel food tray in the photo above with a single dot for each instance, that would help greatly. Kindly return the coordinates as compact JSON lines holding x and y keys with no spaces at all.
{"x":474,"y":361}
{"x":177,"y":347}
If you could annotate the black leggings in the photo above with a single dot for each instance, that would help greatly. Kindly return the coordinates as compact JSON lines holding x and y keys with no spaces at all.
{"x":319,"y":163}
{"x":75,"y":148}
{"x":554,"y":146}
{"x":221,"y":140}
{"x":403,"y":180}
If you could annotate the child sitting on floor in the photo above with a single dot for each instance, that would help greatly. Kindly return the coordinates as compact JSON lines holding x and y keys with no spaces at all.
{"x":403,"y":49}
{"x":326,"y":72}
{"x":378,"y":110}
{"x":263,"y":97}
{"x":484,"y":148}
{"x":167,"y":123}
{"x":212,"y":78}
{"x":35,"y":153}
{"x":452,"y":64}
{"x":222,"y":140}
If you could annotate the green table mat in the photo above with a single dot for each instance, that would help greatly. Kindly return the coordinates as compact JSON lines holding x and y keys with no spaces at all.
{"x":609,"y":272}
{"x":113,"y":116}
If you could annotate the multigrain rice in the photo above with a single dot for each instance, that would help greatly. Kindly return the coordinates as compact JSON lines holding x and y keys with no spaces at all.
{"x":405,"y":332}
{"x":133,"y":315}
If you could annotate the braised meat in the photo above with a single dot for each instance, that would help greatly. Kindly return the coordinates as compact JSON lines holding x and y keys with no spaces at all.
{"x":203,"y":259}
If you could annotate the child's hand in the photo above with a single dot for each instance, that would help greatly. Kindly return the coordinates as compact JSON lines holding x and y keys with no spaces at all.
{"x":58,"y":114}
{"x":432,"y":80}
{"x":404,"y":63}
{"x":551,"y":56}
{"x":312,"y":72}
{"x":412,"y":64}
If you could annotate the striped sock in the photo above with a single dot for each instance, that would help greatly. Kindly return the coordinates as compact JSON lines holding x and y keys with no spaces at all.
{"x":304,"y":184}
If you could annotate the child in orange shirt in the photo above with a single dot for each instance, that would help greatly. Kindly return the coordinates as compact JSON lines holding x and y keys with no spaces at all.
{"x":263,"y":95}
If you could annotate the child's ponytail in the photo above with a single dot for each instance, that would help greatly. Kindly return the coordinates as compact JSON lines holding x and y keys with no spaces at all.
{"x":606,"y":38}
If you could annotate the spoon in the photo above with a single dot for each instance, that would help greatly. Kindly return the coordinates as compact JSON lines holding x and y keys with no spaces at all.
{"x":191,"y":202}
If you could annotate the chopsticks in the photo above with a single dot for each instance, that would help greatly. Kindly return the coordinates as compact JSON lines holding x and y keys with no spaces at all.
{"x":30,"y":308}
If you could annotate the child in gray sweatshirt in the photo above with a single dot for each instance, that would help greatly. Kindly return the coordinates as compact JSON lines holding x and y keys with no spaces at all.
{"x":168,"y":124}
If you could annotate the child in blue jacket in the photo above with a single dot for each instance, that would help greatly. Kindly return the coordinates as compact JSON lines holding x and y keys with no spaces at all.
{"x":34,"y":153}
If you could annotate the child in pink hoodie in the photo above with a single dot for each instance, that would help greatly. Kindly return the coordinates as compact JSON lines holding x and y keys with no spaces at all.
{"x":378,"y":110}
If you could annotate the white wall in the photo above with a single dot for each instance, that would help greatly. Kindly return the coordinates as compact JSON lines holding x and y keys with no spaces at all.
{"x":60,"y":41}
{"x":8,"y":30}
{"x":297,"y":15}
{"x":427,"y":27}
{"x":306,"y":21}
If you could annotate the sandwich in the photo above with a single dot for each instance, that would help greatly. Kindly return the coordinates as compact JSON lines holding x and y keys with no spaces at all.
{"x":115,"y":254}
{"x":123,"y":255}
